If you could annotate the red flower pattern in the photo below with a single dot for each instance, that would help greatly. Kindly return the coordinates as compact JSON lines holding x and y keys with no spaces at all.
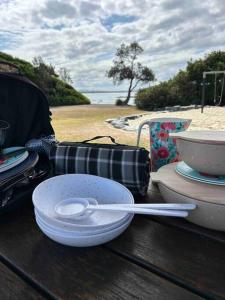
{"x":163,"y":148}
{"x":168,"y":126}
{"x":176,"y":159}
{"x":163,"y":135}
{"x":174,"y":141}
{"x":163,"y":152}
{"x":186,"y":125}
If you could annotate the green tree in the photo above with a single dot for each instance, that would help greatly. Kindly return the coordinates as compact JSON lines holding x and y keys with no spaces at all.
{"x":214,"y":61}
{"x":44,"y":75}
{"x":126,"y":67}
{"x":185,"y":87}
{"x":65,"y":76}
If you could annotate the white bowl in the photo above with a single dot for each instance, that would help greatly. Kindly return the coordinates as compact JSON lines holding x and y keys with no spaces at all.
{"x":209,"y":215}
{"x":67,"y":233}
{"x":105,"y":191}
{"x":84,"y":240}
{"x":203,"y":151}
{"x":77,"y":230}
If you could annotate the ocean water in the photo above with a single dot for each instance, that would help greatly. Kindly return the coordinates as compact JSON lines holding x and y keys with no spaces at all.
{"x":107,"y":97}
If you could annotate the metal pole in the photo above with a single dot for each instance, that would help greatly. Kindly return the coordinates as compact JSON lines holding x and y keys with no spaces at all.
{"x":221,"y":95}
{"x":203,"y":91}
{"x":215,"y":89}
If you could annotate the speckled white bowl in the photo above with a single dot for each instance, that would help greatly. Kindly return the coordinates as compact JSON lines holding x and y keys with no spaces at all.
{"x":105,"y":191}
{"x":84,"y":240}
{"x":77,"y":230}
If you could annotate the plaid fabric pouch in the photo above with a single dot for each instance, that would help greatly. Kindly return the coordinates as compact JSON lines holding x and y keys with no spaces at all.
{"x":128,"y":165}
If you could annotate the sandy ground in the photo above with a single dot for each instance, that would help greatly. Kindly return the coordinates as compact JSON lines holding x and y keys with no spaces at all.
{"x":76,"y":123}
{"x":213,"y":118}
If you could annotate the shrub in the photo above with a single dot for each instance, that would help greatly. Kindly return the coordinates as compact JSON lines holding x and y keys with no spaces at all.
{"x":177,"y":91}
{"x":186,"y":87}
{"x":64,"y":94}
{"x":119,"y":102}
{"x":155,"y":97}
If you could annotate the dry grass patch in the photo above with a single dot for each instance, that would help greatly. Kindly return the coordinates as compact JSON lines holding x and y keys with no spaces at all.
{"x":77,"y":123}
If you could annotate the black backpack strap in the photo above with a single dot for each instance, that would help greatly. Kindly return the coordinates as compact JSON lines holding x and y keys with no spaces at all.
{"x":101,"y":137}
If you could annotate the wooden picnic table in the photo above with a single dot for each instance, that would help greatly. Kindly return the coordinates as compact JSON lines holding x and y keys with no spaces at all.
{"x":156,"y":258}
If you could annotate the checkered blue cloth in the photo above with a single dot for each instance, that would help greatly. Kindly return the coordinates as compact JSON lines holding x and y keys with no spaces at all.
{"x":126,"y":164}
{"x":42,"y":145}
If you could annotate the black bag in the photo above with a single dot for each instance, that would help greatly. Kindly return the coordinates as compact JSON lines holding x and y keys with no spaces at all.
{"x":128,"y":165}
{"x":25,"y":107}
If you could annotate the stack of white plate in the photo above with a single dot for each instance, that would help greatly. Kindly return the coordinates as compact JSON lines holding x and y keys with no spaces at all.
{"x":98,"y":228}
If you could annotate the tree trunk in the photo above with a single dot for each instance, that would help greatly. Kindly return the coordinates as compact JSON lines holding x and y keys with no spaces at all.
{"x":125,"y":102}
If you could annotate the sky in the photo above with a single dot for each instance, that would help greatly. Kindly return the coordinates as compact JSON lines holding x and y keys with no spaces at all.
{"x":84,"y":35}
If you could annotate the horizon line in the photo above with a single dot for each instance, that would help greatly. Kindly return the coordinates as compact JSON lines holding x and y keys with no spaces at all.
{"x":92,"y":92}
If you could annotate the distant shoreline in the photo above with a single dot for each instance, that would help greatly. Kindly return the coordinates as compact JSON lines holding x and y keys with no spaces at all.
{"x":109,"y":97}
{"x":90,"y":105}
{"x":101,"y":92}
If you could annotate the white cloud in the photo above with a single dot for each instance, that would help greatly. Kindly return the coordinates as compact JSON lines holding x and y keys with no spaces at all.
{"x":55,"y":9}
{"x":73,"y":33}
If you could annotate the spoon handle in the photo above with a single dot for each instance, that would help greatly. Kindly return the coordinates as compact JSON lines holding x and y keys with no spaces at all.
{"x":155,"y":212}
{"x":161,"y":206}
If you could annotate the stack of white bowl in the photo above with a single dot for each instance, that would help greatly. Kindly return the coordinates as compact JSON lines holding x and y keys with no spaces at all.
{"x":199,"y":179}
{"x":98,"y":228}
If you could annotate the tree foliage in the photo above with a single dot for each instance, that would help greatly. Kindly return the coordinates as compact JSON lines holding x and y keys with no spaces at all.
{"x":185,"y":88}
{"x":126,"y":67}
{"x":64,"y":75}
{"x":58,"y":92}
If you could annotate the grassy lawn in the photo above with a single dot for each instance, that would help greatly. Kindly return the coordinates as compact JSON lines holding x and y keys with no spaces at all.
{"x":77,"y":123}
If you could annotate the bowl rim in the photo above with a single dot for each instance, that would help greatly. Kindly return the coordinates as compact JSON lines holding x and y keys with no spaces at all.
{"x":206,"y":139}
{"x":34,"y":195}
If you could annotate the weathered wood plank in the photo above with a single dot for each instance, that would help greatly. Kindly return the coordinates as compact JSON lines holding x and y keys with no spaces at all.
{"x":185,"y":257}
{"x":217,"y":236}
{"x":70,"y":273}
{"x":13,"y":287}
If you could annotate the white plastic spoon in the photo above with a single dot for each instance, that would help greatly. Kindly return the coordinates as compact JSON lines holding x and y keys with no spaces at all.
{"x":76,"y":207}
{"x":166,"y":206}
{"x":161,"y":206}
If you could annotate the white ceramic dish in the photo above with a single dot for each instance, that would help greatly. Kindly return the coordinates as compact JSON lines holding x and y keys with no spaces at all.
{"x":203,"y":151}
{"x":79,"y":231}
{"x":187,"y":187}
{"x":209,"y":215}
{"x":85,"y":240}
{"x":210,"y":199}
{"x":52,"y":191}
